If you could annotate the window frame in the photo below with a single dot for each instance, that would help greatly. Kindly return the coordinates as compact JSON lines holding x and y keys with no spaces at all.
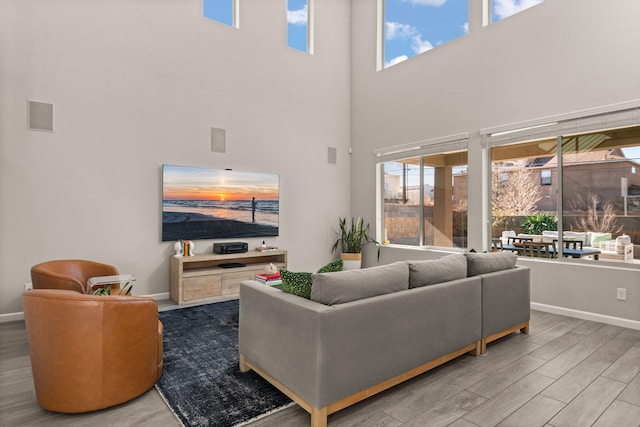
{"x":604,"y":118}
{"x":417,"y":150}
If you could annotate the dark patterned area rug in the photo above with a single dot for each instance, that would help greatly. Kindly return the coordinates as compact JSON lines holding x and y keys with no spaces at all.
{"x":201,"y":381}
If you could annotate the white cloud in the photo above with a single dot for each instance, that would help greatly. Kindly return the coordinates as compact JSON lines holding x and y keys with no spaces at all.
{"x":465,"y":27}
{"x":418,"y":45}
{"x":396,"y":60}
{"x":298,"y":17}
{"x":506,"y":8}
{"x":396,"y":30}
{"x":399,"y":31}
{"x":435,"y":3}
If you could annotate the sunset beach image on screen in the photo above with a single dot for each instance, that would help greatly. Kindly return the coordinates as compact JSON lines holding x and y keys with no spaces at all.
{"x":202,"y":203}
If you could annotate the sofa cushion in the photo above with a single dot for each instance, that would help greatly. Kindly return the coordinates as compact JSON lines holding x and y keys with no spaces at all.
{"x":482,"y":263}
{"x":300,"y":283}
{"x":352,"y":285}
{"x":447,"y":268}
{"x":594,"y":239}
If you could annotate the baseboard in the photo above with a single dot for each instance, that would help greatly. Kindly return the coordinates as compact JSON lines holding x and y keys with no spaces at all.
{"x":158,"y":297}
{"x":585,"y":315}
{"x":12,"y":317}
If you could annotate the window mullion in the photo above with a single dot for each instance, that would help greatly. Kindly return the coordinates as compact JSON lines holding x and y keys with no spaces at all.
{"x":560,"y":202}
{"x":421,"y":214}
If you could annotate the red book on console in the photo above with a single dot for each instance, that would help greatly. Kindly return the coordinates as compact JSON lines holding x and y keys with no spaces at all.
{"x":266,"y":277}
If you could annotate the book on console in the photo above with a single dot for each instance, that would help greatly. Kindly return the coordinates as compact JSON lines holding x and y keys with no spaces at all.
{"x":266,"y":248}
{"x":264,"y":277}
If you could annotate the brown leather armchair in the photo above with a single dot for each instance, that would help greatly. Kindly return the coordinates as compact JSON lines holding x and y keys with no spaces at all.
{"x":90,"y":352}
{"x":69,"y":274}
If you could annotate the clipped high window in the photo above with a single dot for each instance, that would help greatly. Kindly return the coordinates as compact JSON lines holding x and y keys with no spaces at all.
{"x":299,"y":34}
{"x":412,"y":27}
{"x":501,"y":9}
{"x":224,"y":11}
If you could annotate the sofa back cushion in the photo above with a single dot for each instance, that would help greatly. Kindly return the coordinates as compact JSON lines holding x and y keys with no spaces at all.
{"x":430,"y":272}
{"x":352,"y":285}
{"x":482,"y":263}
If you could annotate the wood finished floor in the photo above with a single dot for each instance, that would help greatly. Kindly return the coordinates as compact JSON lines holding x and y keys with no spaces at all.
{"x":566,"y":372}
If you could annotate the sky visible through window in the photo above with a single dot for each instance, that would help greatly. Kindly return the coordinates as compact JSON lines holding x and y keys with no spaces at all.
{"x":415,"y":26}
{"x":297,"y":25}
{"x":219,"y":10}
{"x":505,"y":8}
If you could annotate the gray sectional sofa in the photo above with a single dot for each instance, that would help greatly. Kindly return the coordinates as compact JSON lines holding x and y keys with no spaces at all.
{"x":364,"y":331}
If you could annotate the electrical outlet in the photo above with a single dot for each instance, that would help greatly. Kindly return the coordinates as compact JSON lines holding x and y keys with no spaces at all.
{"x":621,"y":294}
{"x":28,"y":286}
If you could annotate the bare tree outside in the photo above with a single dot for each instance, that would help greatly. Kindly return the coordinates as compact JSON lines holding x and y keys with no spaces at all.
{"x":514,"y":192}
{"x":592,"y":219}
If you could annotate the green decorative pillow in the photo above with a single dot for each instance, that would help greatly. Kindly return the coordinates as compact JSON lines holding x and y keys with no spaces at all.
{"x":296,"y":283}
{"x":332,"y":267}
{"x":300,"y":283}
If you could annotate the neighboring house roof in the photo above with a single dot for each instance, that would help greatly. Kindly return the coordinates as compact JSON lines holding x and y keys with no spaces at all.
{"x":585,"y":157}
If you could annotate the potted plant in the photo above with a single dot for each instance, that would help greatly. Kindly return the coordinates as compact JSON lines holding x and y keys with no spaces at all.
{"x":351,"y":239}
{"x":536,"y":224}
{"x":106,"y":290}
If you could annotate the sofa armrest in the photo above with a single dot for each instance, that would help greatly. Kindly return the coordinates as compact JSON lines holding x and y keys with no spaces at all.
{"x":506,"y":299}
{"x":280,"y":333}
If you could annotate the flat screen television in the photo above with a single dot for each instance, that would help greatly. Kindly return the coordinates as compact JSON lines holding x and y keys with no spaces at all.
{"x":200,"y":203}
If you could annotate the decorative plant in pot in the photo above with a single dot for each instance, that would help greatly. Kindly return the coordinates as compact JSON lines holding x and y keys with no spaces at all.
{"x":536,"y":224}
{"x":108,"y":289}
{"x":351,"y":239}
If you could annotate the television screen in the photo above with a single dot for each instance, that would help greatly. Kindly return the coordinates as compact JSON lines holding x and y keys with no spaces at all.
{"x":202,"y":203}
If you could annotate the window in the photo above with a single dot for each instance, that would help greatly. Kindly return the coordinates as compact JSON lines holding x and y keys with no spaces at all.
{"x":299,"y":20}
{"x":599,"y":196}
{"x":224,"y":11}
{"x":522,"y":193}
{"x":412,"y":27}
{"x":425,"y":200}
{"x":501,"y":9}
{"x":545,"y":177}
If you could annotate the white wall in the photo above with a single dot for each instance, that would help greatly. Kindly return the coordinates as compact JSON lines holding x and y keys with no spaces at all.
{"x":139,"y":83}
{"x":558,"y":57}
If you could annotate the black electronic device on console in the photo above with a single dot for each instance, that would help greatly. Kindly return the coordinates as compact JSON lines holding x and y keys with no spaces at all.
{"x":230,"y":248}
{"x":232,"y":265}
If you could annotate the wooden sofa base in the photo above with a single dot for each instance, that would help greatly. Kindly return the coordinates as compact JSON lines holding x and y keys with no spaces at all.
{"x":522,"y":327}
{"x":319,"y":415}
